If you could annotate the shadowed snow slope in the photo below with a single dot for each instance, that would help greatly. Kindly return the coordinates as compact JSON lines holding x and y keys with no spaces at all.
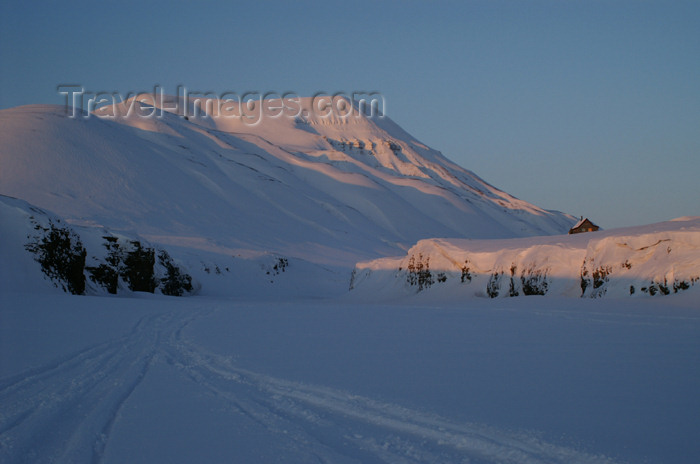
{"x":38,"y":247}
{"x":328,"y":190}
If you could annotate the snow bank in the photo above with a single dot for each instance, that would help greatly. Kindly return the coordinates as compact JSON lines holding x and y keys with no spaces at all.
{"x":657,"y":259}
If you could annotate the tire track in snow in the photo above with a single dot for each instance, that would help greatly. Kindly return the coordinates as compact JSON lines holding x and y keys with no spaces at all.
{"x":15,"y":382}
{"x":65,"y":410}
{"x":20,"y":392}
{"x":336,"y":425}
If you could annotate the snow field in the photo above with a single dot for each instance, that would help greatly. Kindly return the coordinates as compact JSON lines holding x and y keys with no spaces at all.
{"x":86,"y":379}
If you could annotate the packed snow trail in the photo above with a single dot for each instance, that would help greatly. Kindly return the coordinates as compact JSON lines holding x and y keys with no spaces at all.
{"x":66,"y":410}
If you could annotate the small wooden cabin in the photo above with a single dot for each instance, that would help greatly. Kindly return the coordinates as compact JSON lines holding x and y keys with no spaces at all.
{"x":584,"y":225}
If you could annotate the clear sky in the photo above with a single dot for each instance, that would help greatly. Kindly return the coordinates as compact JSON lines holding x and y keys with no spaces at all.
{"x":589,"y":107}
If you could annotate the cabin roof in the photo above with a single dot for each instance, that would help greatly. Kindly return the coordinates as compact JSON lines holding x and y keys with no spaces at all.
{"x":582,"y":222}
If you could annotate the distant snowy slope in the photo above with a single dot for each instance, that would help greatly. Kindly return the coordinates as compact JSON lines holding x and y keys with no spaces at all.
{"x":657,"y":259}
{"x":327,"y":190}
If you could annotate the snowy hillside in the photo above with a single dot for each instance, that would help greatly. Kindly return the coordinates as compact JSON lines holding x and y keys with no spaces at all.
{"x":658,"y":259}
{"x":327,"y":190}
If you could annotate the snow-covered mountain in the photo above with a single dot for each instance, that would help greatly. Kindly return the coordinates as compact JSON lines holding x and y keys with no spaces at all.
{"x":656,"y":259}
{"x":329,"y":190}
{"x":259,"y":366}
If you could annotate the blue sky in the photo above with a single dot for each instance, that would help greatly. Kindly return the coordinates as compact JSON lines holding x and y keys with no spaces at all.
{"x":589,"y":107}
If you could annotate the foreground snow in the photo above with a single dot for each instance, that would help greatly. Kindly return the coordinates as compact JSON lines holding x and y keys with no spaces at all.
{"x":157,"y":379}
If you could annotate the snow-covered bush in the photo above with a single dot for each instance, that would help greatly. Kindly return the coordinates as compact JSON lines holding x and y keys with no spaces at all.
{"x":136,"y":266}
{"x":419,"y":272}
{"x":107,"y":273}
{"x":61,"y":255}
{"x":534,"y":281}
{"x":138,"y":271}
{"x":175,"y":282}
{"x":494,"y":285}
{"x":466,"y":275}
